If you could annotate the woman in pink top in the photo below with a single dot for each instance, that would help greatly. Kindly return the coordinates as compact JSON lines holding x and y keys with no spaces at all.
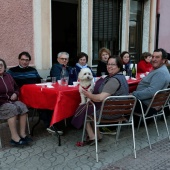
{"x":144,"y":64}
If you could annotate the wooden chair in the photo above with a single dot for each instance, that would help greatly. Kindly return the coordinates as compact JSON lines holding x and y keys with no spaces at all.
{"x":122,"y":106}
{"x":158,"y":102}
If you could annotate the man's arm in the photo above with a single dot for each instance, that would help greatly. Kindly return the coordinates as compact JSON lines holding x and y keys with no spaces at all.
{"x":55,"y":71}
{"x":157,"y":83}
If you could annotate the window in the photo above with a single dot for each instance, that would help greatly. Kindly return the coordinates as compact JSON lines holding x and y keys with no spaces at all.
{"x":135,"y":29}
{"x":106,"y":26}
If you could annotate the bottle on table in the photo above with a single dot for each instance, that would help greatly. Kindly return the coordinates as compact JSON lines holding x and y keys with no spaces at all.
{"x":124,"y":71}
{"x":134,"y":71}
{"x":64,"y":76}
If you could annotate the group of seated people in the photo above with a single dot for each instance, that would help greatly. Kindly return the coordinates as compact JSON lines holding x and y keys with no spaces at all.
{"x":143,"y":66}
{"x":113,"y":84}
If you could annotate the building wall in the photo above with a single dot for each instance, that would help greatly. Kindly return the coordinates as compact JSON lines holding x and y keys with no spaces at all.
{"x":26,"y":26}
{"x":42,"y":36}
{"x":16,"y":33}
{"x":164,"y":25}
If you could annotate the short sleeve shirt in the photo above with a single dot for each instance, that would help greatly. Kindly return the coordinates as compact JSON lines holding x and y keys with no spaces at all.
{"x":111,"y":86}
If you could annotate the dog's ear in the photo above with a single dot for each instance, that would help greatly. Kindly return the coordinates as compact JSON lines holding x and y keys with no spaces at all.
{"x":80,"y":75}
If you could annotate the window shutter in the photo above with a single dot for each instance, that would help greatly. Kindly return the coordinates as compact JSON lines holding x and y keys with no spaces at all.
{"x":105,"y":25}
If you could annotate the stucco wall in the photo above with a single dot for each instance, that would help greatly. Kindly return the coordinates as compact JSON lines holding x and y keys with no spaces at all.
{"x":164,"y":27}
{"x":16,"y":29}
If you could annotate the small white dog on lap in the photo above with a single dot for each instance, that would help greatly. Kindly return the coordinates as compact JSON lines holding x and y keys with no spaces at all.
{"x":85,"y":78}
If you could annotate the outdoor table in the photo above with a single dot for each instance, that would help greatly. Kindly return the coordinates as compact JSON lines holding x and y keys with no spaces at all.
{"x":63,"y":100}
{"x":133,"y":83}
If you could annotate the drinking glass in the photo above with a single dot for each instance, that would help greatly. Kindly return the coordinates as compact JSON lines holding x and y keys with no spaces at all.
{"x":43,"y":80}
{"x":53,"y":80}
{"x":64,"y":81}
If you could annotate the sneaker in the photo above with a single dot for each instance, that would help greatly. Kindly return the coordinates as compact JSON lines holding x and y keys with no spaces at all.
{"x":107,"y":131}
{"x":52,"y":130}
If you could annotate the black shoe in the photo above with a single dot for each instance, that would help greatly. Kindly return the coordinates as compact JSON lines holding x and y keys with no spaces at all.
{"x":27,"y":139}
{"x":19,"y":143}
{"x":90,"y":142}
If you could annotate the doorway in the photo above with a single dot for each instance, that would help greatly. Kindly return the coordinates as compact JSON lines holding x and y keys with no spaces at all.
{"x":135,"y":29}
{"x":64,"y":29}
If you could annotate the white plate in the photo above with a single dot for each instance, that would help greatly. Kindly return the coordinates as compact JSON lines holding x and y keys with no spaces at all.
{"x":50,"y":86}
{"x":42,"y":84}
{"x":71,"y":86}
{"x":133,"y":78}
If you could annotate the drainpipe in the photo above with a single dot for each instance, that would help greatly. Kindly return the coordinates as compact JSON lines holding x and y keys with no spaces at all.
{"x":157,"y":25}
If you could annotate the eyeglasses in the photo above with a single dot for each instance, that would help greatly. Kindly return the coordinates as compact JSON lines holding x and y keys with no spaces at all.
{"x":1,"y":65}
{"x":26,"y":60}
{"x":64,"y":59}
{"x":112,"y":65}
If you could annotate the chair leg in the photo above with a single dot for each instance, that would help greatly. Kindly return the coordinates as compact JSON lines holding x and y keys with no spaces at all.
{"x":166,"y":125}
{"x":96,"y":141}
{"x":118,"y":131}
{"x":140,"y":119}
{"x":147,"y":132}
{"x":0,"y":143}
{"x":34,"y":112}
{"x":156,"y":125}
{"x":28,"y":125}
{"x":133,"y":134}
{"x":65,"y":122}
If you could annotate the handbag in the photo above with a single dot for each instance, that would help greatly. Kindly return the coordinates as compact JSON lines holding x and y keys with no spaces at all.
{"x":78,"y":118}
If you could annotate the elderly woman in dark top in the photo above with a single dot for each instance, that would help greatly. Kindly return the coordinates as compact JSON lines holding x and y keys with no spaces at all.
{"x":11,"y":108}
{"x":82,"y":59}
{"x":114,"y":84}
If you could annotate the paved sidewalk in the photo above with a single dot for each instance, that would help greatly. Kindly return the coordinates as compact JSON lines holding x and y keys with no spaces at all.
{"x":45,"y":154}
{"x":156,"y":159}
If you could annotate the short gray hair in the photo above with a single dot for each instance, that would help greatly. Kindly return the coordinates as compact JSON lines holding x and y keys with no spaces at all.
{"x":61,"y":53}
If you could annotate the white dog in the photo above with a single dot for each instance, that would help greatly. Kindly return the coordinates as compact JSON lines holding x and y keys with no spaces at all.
{"x":85,"y":78}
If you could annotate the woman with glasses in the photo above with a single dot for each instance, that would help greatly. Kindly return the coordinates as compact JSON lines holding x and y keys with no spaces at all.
{"x":114,"y":84}
{"x":11,"y":108}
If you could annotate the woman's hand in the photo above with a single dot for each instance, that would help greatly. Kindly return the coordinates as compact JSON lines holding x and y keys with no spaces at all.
{"x":86,"y":93}
{"x":14,"y":96}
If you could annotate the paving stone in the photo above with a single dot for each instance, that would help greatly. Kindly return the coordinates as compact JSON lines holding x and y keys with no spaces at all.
{"x":45,"y":154}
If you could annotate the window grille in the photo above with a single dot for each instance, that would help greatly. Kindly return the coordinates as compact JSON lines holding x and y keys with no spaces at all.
{"x":106,"y":26}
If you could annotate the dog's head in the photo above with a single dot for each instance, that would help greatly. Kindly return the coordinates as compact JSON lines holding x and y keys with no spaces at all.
{"x":85,"y":74}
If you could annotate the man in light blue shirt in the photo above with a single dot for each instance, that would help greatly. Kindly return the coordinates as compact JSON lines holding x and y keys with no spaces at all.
{"x":157,"y":79}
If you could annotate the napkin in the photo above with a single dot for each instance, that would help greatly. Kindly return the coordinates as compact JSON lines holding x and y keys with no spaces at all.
{"x":49,"y":86}
{"x":133,"y":78}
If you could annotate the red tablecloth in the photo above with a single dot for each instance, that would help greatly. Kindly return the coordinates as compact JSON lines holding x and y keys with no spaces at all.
{"x":62,"y":99}
{"x":133,"y":84}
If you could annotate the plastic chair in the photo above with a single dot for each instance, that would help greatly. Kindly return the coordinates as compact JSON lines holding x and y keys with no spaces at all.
{"x":120,"y":106}
{"x":158,"y":102}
